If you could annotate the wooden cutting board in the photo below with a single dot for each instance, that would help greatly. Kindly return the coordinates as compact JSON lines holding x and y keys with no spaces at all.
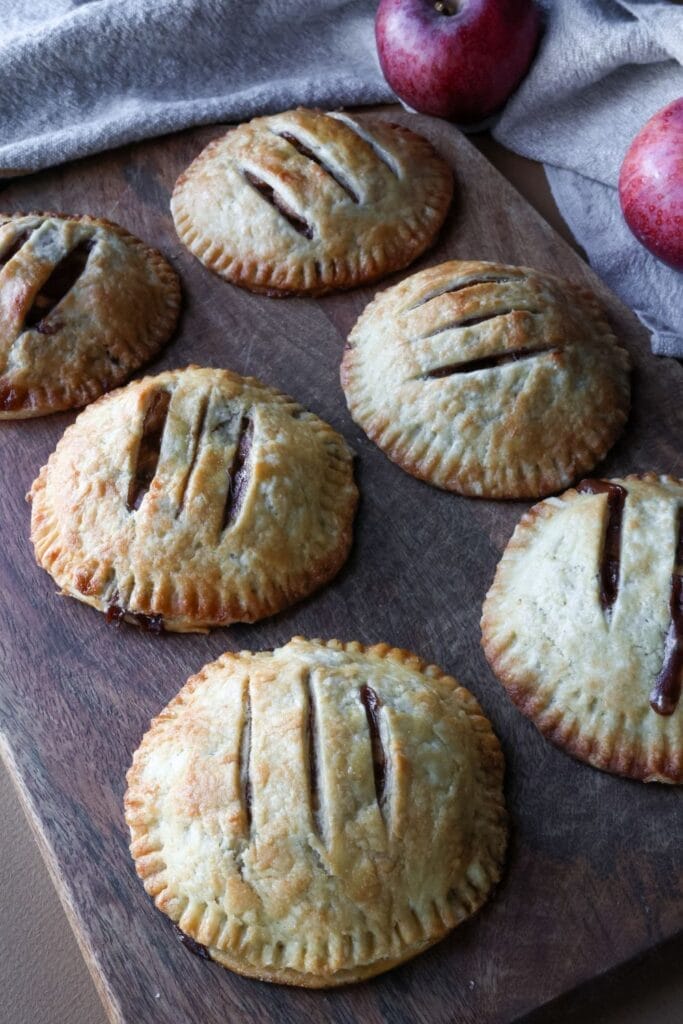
{"x":594,"y":861}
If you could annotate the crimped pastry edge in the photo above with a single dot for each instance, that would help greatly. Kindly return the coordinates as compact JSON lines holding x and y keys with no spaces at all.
{"x":617,"y":760}
{"x":490,"y":775}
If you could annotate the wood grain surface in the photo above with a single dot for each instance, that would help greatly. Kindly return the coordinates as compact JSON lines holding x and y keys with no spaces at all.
{"x":594,"y":862}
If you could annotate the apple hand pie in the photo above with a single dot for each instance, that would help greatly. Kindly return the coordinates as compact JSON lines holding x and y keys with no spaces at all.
{"x":304,"y":202}
{"x":584,"y":623}
{"x":83,"y":304}
{"x":317,"y":814}
{"x":490,"y":380}
{"x":193,"y":499}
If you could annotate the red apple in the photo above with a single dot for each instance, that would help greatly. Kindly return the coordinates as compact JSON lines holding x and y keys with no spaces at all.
{"x":651,"y":185}
{"x":458,"y":59}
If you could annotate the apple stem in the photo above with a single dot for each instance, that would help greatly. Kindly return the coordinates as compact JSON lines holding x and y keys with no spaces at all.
{"x":448,"y":7}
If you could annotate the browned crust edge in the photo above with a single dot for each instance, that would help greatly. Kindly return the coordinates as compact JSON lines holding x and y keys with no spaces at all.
{"x":298,"y":979}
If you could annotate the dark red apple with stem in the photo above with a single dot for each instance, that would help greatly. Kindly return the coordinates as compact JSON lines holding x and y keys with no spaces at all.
{"x":459,"y":59}
{"x":651,"y":185}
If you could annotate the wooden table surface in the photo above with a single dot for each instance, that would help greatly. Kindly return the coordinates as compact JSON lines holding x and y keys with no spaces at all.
{"x":577,"y":899}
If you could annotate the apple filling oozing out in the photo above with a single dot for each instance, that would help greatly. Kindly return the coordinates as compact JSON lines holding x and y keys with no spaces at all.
{"x":239,"y":472}
{"x":62,"y":279}
{"x":271,"y":196}
{"x":611,"y":547}
{"x":666,"y":691}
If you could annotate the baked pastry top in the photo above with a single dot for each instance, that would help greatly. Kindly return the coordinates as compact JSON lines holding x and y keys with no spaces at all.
{"x":304,"y":202}
{"x":319,"y":813}
{"x":83,"y":304}
{"x":490,"y":380}
{"x":194,"y":498}
{"x":584,"y":623}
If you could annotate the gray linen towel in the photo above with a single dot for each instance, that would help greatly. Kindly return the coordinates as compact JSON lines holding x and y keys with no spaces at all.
{"x":76,"y":78}
{"x":79,"y":77}
{"x":604,"y":67}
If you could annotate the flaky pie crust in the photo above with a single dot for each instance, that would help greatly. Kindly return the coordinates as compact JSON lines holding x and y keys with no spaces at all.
{"x":177,"y":556}
{"x":257,"y":824}
{"x":490,"y":380}
{"x":306,"y":202}
{"x":585,"y":676}
{"x":119,"y":312}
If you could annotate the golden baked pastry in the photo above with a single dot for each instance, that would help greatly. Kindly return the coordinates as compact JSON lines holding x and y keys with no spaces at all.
{"x":584,"y":623}
{"x":490,"y":380}
{"x":193,"y":499}
{"x":319,"y":813}
{"x":83,"y":304}
{"x":305,"y":202}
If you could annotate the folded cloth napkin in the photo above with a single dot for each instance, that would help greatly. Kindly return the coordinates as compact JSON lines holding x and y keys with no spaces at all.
{"x":603,"y":68}
{"x":79,"y":76}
